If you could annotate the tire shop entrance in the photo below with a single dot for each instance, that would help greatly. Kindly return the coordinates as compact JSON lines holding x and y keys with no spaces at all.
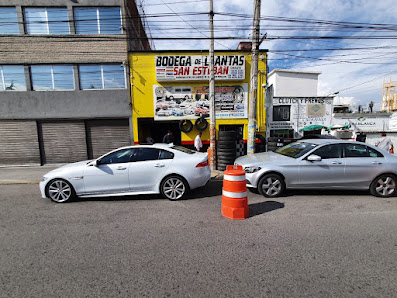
{"x":230,"y":145}
{"x":157,"y":130}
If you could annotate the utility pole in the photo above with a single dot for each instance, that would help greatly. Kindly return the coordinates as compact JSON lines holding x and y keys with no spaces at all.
{"x":212,"y":92}
{"x":252,"y":122}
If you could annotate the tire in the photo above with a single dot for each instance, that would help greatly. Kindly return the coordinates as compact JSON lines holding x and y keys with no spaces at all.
{"x":60,"y":191}
{"x":225,"y":161}
{"x":201,"y":124}
{"x":384,"y":186}
{"x":226,"y":144}
{"x":185,"y":126}
{"x":174,"y":188}
{"x":271,"y":186}
{"x":227,"y":134}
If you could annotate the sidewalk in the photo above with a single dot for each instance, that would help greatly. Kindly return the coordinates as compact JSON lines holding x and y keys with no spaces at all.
{"x":32,"y":174}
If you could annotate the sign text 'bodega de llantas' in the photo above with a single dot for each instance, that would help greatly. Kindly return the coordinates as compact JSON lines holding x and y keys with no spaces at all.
{"x":197,"y":67}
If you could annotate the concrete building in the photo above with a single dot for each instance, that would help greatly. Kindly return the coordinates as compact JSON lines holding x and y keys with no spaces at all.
{"x":294,"y":104}
{"x":64,"y":78}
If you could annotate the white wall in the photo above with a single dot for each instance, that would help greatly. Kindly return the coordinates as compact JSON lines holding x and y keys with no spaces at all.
{"x":293,"y":83}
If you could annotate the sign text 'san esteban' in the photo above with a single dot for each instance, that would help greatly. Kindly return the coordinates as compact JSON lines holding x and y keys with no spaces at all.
{"x":186,"y":67}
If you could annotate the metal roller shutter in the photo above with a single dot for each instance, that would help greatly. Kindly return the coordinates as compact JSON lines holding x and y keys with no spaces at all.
{"x":107,"y":135}
{"x":19,"y":143}
{"x":64,"y":141}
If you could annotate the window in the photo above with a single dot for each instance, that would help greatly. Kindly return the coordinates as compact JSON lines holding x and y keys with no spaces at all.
{"x":354,"y":150}
{"x":281,"y":113}
{"x":8,"y":20}
{"x":12,"y":78}
{"x":102,"y":77}
{"x":166,"y":154}
{"x":52,"y":77}
{"x":121,"y":156}
{"x":329,"y":151}
{"x":145,"y":154}
{"x":104,"y":20}
{"x":296,"y":149}
{"x":45,"y":20}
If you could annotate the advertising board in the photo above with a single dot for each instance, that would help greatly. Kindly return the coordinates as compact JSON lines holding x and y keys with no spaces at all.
{"x":191,"y":102}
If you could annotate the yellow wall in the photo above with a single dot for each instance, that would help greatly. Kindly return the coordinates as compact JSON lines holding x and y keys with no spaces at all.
{"x":143,"y":77}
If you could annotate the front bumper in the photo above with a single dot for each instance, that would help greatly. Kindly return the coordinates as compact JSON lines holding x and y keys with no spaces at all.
{"x":42,"y":186}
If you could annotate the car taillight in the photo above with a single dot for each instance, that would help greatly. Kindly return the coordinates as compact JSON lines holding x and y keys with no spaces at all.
{"x":202,"y":164}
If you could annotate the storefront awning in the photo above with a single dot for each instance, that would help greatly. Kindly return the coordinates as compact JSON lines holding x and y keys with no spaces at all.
{"x":313,"y":127}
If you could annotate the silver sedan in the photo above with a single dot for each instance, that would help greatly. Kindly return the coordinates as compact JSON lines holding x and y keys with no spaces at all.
{"x":147,"y":169}
{"x":322,"y":163}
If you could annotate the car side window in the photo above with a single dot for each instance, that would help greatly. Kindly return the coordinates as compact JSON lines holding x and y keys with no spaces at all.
{"x":164,"y":154}
{"x":357,"y":150}
{"x":329,"y":151}
{"x":121,"y":156}
{"x":144,"y":154}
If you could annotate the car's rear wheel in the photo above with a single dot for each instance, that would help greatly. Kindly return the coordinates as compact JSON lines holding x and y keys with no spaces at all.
{"x":384,"y":186}
{"x":271,"y":186}
{"x":60,"y":191}
{"x":173,"y":188}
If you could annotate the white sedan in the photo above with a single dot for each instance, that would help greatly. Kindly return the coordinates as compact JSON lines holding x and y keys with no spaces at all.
{"x":146,"y":169}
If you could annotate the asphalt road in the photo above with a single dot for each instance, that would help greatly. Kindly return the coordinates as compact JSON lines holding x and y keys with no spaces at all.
{"x":307,"y":244}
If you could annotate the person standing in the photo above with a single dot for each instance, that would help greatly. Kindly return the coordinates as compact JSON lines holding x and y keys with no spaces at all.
{"x":197,"y":142}
{"x":168,"y":138}
{"x":385,"y":143}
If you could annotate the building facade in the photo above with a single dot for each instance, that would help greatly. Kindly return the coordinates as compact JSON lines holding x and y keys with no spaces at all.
{"x":170,"y":92}
{"x":295,"y":104}
{"x":64,"y":78}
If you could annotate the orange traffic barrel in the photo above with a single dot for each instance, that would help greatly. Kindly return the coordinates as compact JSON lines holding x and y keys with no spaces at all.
{"x":234,"y":193}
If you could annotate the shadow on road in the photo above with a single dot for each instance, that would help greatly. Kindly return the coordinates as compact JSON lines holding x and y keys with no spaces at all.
{"x":212,"y":189}
{"x":264,"y":207}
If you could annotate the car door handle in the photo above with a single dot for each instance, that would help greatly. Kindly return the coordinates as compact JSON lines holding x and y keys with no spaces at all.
{"x":121,"y":168}
{"x":376,"y":163}
{"x":336,"y":163}
{"x":159,"y":166}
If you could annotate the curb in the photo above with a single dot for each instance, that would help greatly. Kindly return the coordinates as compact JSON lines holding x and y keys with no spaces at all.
{"x":5,"y":182}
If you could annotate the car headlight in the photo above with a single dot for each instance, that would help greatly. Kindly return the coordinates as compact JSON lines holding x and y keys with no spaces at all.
{"x":251,"y":169}
{"x":44,"y":178}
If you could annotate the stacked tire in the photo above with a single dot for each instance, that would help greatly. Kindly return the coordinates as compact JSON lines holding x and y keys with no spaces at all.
{"x":226,"y":149}
{"x":274,"y":143}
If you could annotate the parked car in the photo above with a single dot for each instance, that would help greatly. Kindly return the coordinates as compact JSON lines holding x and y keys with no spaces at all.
{"x":318,"y":136}
{"x":201,"y":112}
{"x":164,"y":113}
{"x":322,"y":163}
{"x":146,"y":169}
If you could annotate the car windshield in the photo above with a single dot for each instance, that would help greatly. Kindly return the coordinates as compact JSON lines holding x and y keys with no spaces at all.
{"x":296,"y":149}
{"x":183,"y":149}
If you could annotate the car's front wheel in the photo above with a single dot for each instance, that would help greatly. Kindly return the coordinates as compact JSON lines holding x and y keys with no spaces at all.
{"x":173,"y":188}
{"x":271,"y":186}
{"x":384,"y":186}
{"x":60,"y":191}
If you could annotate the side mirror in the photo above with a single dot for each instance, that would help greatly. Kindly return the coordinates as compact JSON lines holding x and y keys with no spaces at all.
{"x":93,"y":163}
{"x":314,"y":157}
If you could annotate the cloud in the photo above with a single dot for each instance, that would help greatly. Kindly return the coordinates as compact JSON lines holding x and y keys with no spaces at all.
{"x":355,"y":74}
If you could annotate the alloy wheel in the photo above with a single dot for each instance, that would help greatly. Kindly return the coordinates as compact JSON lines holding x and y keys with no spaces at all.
{"x":60,"y":191}
{"x":173,"y":188}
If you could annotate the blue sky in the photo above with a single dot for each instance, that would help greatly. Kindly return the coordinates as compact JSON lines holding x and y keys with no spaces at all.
{"x":354,"y":67}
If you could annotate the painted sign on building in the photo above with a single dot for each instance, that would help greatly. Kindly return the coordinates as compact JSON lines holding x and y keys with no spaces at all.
{"x":197,"y":67}
{"x":363,"y":122}
{"x":295,"y":113}
{"x":191,"y":102}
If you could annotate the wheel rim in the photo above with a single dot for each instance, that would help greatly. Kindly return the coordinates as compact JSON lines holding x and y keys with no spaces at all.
{"x":272,"y":186}
{"x":385,"y":186}
{"x":174,"y":188}
{"x":59,"y":191}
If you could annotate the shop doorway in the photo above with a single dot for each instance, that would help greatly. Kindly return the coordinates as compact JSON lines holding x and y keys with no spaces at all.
{"x":157,"y":130}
